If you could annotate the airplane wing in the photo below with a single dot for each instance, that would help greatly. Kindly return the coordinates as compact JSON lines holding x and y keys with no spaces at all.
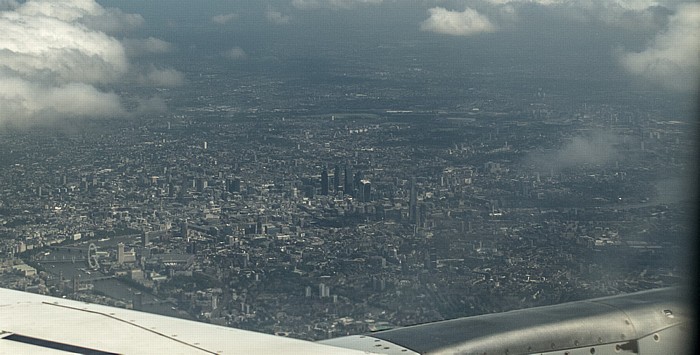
{"x":648,"y":322}
{"x":36,"y":324}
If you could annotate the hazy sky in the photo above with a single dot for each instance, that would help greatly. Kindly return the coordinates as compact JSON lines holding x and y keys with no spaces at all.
{"x":64,"y":58}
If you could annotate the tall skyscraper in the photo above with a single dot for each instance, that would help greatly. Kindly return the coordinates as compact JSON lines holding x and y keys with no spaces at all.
{"x":365,"y":190}
{"x":336,"y":178}
{"x":324,"y":182}
{"x":120,"y":253}
{"x":356,"y":181}
{"x":413,"y":199}
{"x":145,"y":238}
{"x":347,"y":186}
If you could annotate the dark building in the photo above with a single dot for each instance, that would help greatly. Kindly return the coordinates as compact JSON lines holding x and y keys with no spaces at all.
{"x":145,"y":238}
{"x":356,"y":181}
{"x":347,"y":186}
{"x":412,"y":208}
{"x":336,"y":178}
{"x":365,"y":190}
{"x":201,"y":184}
{"x":309,"y":191}
{"x":233,"y":185}
{"x":191,"y":248}
{"x":324,"y":182}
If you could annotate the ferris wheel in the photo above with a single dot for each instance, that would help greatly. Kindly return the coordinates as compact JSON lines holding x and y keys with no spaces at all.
{"x":92,"y":257}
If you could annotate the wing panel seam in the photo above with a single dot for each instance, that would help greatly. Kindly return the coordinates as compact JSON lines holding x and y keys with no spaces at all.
{"x":131,"y":324}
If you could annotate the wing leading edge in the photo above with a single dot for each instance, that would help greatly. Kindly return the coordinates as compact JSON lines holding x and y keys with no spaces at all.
{"x":36,"y":324}
{"x":649,"y":322}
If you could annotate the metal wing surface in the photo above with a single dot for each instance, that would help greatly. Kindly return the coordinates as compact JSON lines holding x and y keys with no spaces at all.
{"x":36,"y":324}
{"x":649,"y":322}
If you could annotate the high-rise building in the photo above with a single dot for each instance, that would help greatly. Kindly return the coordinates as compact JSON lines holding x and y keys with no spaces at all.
{"x":233,"y":185}
{"x":76,"y":284}
{"x":201,"y":184}
{"x":120,"y":253}
{"x":347,"y":186}
{"x":356,"y":181}
{"x":124,"y":256}
{"x":324,"y":182}
{"x":146,"y":239}
{"x":336,"y":179}
{"x":365,"y":190}
{"x":413,"y":199}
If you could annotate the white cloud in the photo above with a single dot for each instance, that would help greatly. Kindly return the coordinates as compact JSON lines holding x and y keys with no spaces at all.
{"x":161,"y":77}
{"x":672,"y":59}
{"x":596,"y":148}
{"x":26,"y":103}
{"x":150,"y":45}
{"x":151,"y":106}
{"x":38,"y":45}
{"x":277,"y":17}
{"x":332,"y":4}
{"x":63,"y":10}
{"x":224,"y":19}
{"x":235,"y":53}
{"x":466,"y":23}
{"x":113,"y":21}
{"x":56,"y":60}
{"x":87,"y":12}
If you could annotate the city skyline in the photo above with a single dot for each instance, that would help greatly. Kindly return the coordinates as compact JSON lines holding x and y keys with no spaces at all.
{"x":318,"y":168}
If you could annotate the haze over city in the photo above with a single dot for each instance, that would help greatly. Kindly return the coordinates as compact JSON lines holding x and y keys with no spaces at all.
{"x":316,"y":168}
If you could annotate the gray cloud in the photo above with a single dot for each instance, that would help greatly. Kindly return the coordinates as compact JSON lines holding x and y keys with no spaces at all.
{"x":26,"y":103}
{"x":161,"y":77}
{"x":277,"y":17}
{"x":88,"y":12}
{"x":672,"y":59}
{"x":8,"y":5}
{"x":628,"y":14}
{"x":332,"y":4}
{"x":597,"y":148}
{"x":224,"y":18}
{"x":150,"y":45}
{"x":235,"y":53}
{"x":113,"y":20}
{"x":150,"y":106}
{"x":466,"y":23}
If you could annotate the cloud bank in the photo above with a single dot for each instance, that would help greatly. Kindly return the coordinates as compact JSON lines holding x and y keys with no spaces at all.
{"x":332,"y":4}
{"x":57,"y":61}
{"x":672,"y":58}
{"x":466,"y":23}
